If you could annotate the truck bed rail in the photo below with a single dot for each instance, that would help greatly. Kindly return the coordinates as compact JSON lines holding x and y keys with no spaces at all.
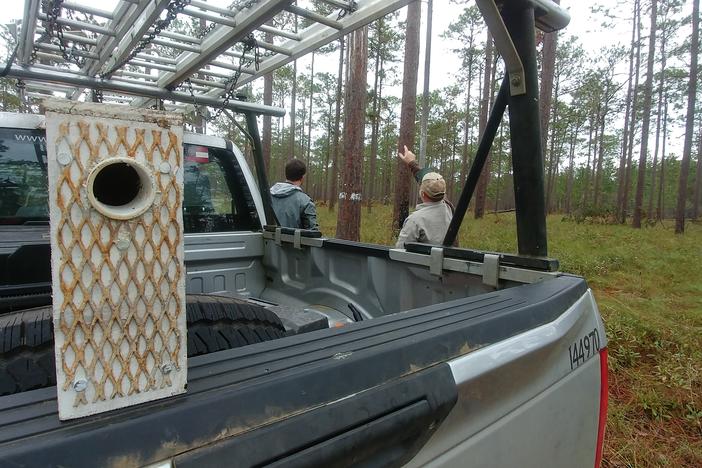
{"x":267,"y":392}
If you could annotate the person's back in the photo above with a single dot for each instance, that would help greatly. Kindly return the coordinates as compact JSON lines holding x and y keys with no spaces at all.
{"x":293,"y":207}
{"x":429,"y":223}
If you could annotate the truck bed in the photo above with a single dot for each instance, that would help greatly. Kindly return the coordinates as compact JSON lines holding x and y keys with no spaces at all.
{"x":370,"y":393}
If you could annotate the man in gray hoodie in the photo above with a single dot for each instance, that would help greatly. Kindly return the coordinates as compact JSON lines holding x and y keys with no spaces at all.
{"x":293,"y":207}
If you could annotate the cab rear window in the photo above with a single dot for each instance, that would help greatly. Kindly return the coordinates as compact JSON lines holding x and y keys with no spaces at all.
{"x":215,"y":193}
{"x":23,"y":179}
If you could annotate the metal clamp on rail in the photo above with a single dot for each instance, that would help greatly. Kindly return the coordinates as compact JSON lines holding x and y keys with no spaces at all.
{"x":491,"y":270}
{"x":278,"y":236}
{"x":297,"y":239}
{"x":436,"y":261}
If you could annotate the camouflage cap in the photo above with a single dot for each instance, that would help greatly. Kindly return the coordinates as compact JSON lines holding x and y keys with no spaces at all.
{"x":433,"y":185}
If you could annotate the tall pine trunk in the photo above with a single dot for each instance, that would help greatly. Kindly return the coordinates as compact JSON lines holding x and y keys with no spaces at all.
{"x":648,"y":91}
{"x":267,"y":100}
{"x":333,"y":183}
{"x":659,"y":206}
{"x":632,"y":120}
{"x":376,"y":117}
{"x":309,"y":116}
{"x":293,"y":111}
{"x":689,"y":121}
{"x":408,"y":113}
{"x":600,"y":157}
{"x":348,"y":222}
{"x":621,"y":173}
{"x":571,"y":170}
{"x":698,"y":178}
{"x":498,"y":178}
{"x":425,"y":92}
{"x":590,"y":155}
{"x":466,"y":123}
{"x":546,"y":92}
{"x":661,"y":84}
{"x":327,"y":156}
{"x":481,"y":190}
{"x":553,"y":160}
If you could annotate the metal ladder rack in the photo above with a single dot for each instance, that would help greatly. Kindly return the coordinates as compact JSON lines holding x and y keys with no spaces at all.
{"x":132,"y":56}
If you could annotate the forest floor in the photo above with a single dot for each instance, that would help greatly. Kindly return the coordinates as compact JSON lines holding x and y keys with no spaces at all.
{"x":648,"y":285}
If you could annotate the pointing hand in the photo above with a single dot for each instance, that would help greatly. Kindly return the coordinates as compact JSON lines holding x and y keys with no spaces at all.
{"x":407,"y":157}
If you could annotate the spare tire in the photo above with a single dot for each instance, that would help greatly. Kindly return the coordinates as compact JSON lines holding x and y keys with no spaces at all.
{"x":26,"y":351}
{"x":215,"y":323}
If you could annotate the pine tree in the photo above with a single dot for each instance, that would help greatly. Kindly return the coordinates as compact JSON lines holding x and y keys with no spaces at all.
{"x":408,"y":112}
{"x":689,"y":121}
{"x":348,"y":223}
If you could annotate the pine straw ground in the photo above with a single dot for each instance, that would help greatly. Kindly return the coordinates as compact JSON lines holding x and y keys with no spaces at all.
{"x":648,"y":285}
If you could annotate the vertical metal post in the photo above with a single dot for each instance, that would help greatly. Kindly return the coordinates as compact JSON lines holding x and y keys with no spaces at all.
{"x":257,"y":149}
{"x":525,"y":134}
{"x":498,"y":110}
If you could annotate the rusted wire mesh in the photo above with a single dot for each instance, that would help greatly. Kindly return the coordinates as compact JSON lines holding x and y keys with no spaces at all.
{"x":118,"y":285}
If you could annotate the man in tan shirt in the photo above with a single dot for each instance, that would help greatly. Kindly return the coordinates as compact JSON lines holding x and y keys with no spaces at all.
{"x":429,"y":223}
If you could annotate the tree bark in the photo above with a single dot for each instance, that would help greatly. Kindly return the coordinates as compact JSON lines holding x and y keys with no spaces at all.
{"x":553,"y":160}
{"x":376,"y":117}
{"x":661,"y":84}
{"x":348,"y":223}
{"x":600,"y":157}
{"x":648,"y":91}
{"x":571,"y":169}
{"x":293,"y":111}
{"x":621,"y":173}
{"x":548,"y":65}
{"x":309,"y":116}
{"x":327,"y":156}
{"x":467,"y":124}
{"x":481,"y":190}
{"x":659,"y":206}
{"x":408,"y":113}
{"x":500,"y":144}
{"x":267,"y":136}
{"x":590,"y":151}
{"x":425,"y":93}
{"x":698,"y":178}
{"x":333,"y":184}
{"x":689,"y":121}
{"x":632,"y":120}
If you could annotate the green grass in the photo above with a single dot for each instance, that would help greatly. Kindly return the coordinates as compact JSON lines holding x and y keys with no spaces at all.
{"x":648,"y":285}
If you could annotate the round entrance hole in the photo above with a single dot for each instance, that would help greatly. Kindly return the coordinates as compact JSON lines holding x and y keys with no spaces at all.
{"x":120,"y":188}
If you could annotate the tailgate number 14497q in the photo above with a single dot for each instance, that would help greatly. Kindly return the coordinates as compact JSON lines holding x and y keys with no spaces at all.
{"x":584,"y":348}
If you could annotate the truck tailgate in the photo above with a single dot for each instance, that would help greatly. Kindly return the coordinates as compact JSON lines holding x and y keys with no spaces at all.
{"x":370,"y":393}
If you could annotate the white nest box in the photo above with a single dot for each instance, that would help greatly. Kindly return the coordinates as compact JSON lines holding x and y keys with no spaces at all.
{"x":117,"y":258}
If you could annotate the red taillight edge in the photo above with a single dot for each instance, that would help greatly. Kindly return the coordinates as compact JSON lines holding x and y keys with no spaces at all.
{"x":604,"y":391}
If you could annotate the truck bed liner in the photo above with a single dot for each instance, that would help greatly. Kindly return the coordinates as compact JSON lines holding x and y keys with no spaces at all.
{"x":275,"y":386}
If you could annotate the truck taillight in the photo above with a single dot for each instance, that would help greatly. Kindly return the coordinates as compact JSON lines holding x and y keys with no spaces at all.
{"x":604,"y":390}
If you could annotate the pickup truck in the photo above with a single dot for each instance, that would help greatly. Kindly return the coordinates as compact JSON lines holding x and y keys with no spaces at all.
{"x":345,"y":354}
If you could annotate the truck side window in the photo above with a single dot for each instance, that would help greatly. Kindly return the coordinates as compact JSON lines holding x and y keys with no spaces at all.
{"x":216,"y":196}
{"x":23,"y":179}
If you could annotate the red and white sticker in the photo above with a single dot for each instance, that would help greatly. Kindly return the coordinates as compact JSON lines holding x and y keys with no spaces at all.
{"x":199,"y":155}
